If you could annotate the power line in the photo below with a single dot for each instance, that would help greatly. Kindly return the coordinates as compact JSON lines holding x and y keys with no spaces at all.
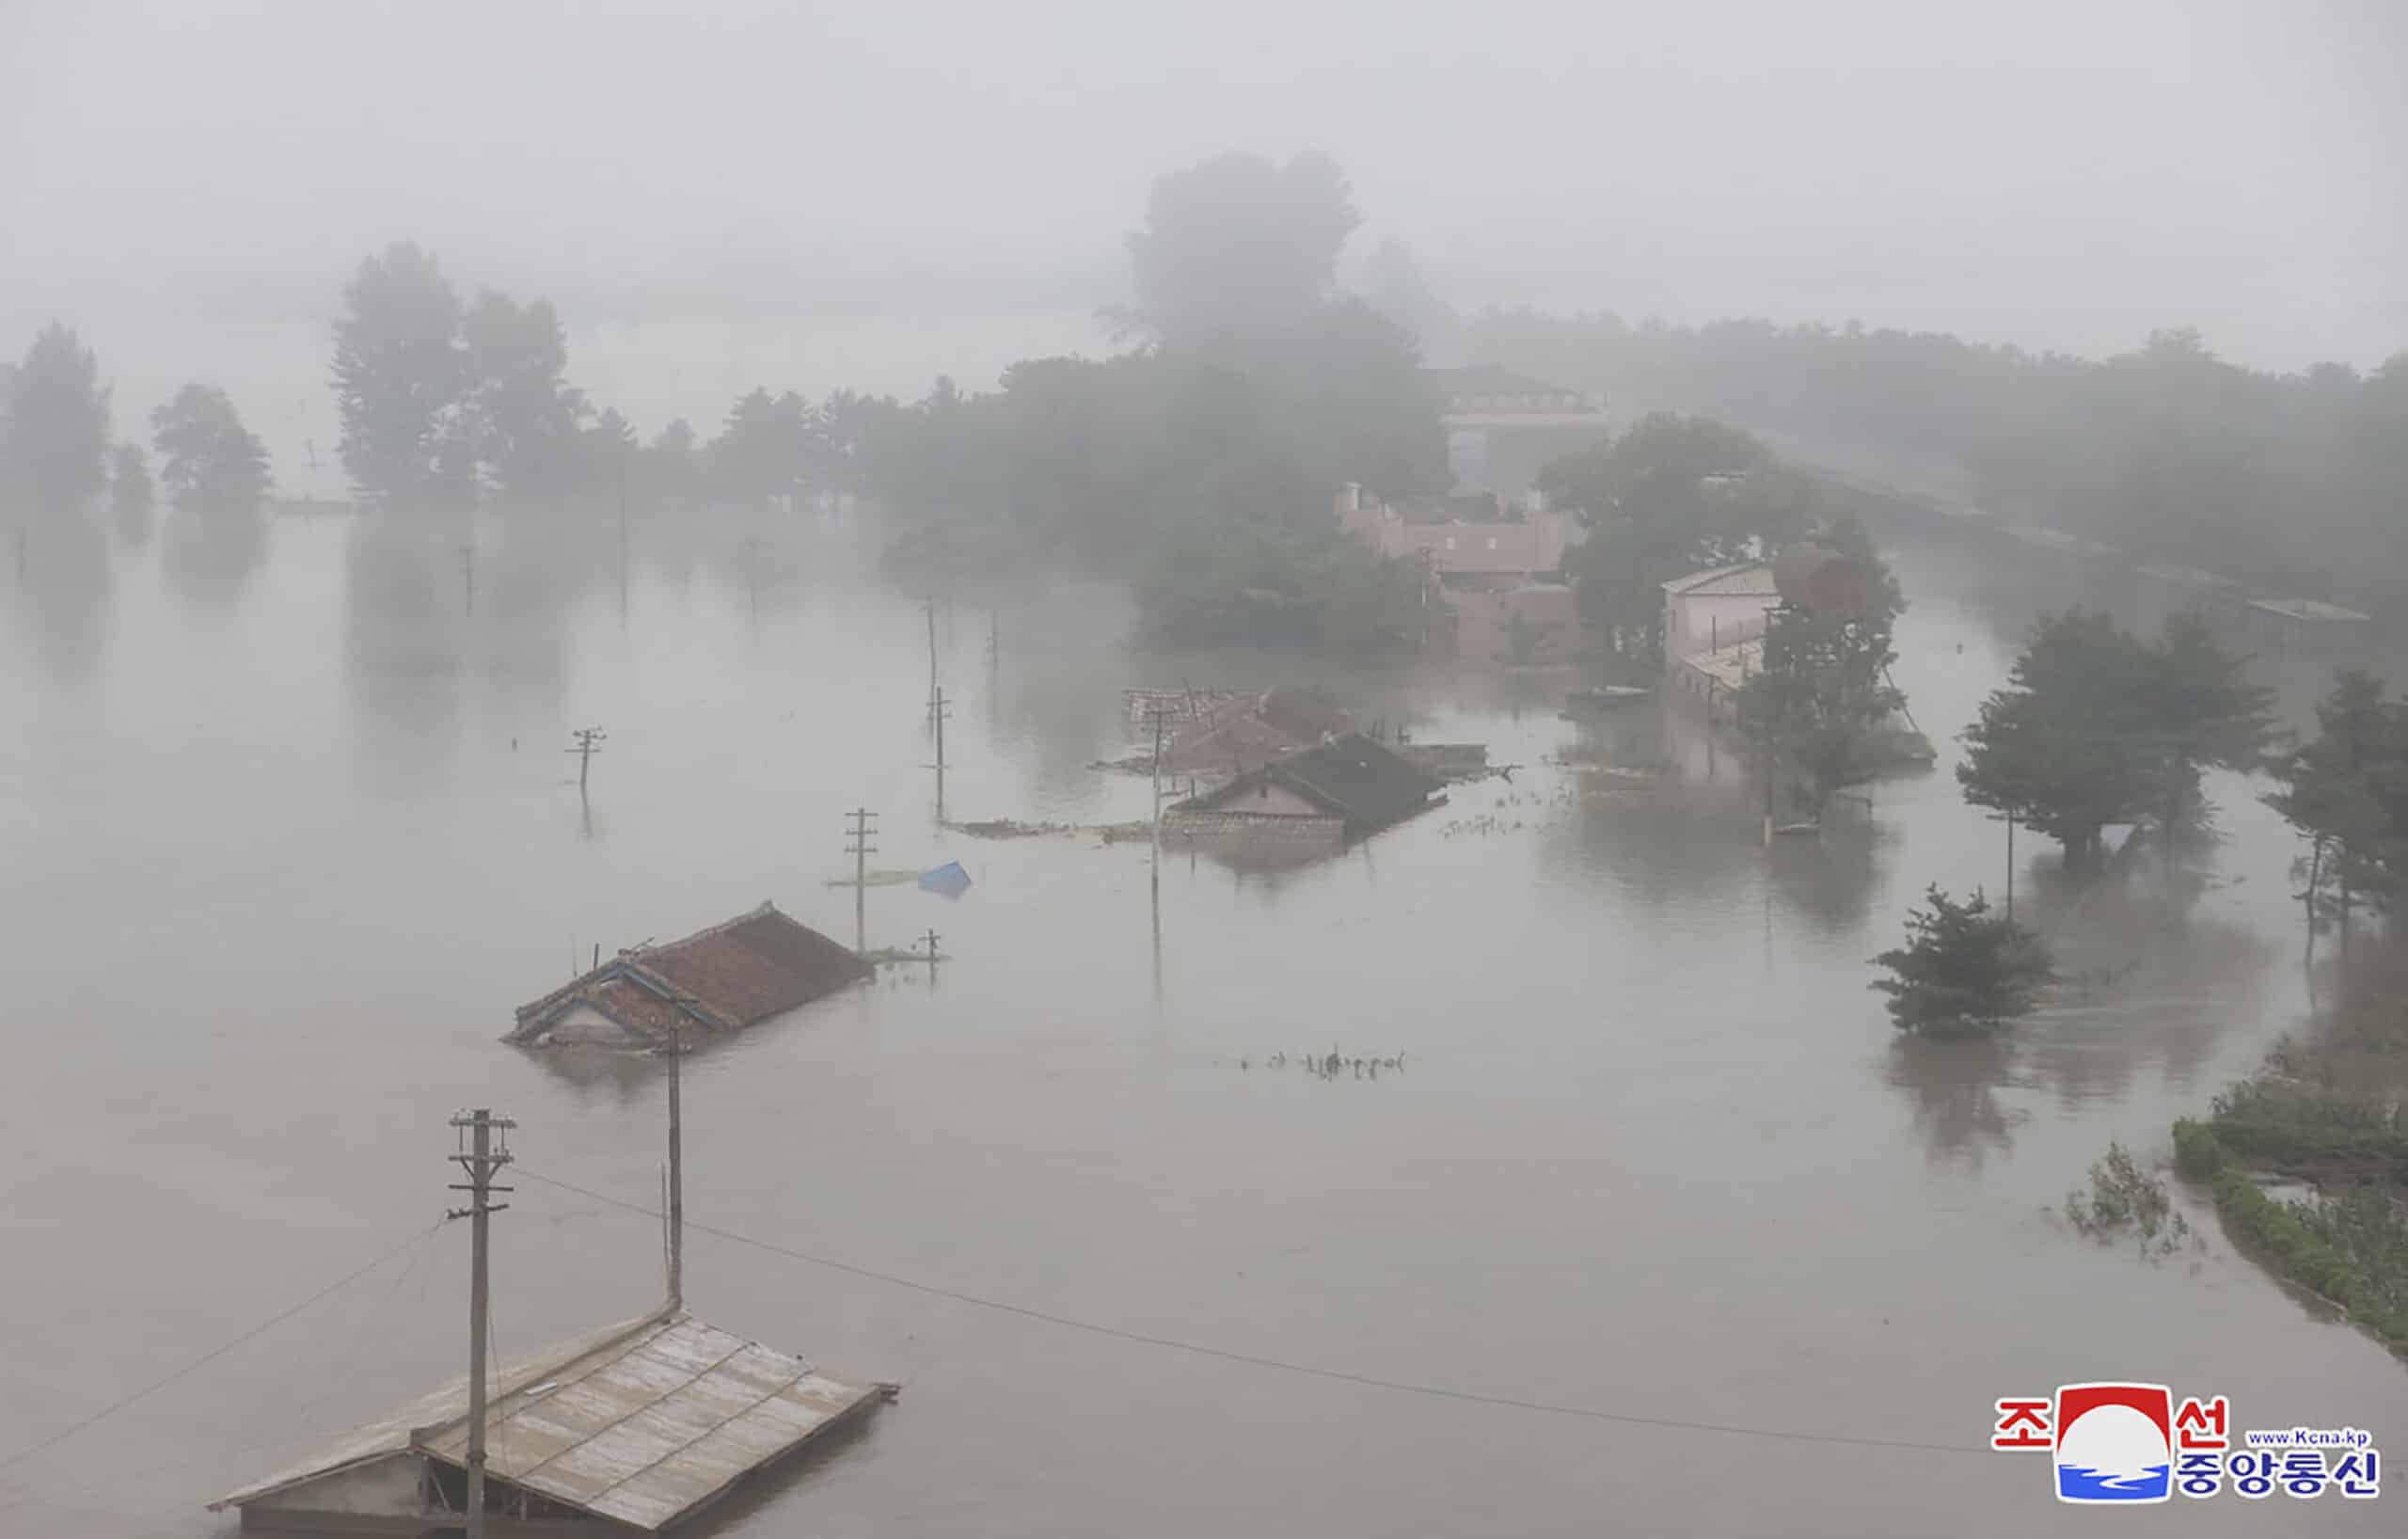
{"x":1255,"y":1360}
{"x":204,"y":1361}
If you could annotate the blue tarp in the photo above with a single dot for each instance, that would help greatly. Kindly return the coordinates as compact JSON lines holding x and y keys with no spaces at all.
{"x":948,"y":879}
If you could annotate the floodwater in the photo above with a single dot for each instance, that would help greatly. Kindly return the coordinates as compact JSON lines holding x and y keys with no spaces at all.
{"x":289,"y":828}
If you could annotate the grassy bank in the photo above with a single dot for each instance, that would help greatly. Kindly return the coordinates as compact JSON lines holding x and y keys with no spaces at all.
{"x":2328,"y":1113}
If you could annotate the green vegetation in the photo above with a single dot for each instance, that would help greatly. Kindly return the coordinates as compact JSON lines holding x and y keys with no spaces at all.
{"x":54,"y":424}
{"x":2346,"y":791}
{"x":1205,"y":465}
{"x":2097,"y":727}
{"x":2166,"y":451}
{"x":2327,"y":1111}
{"x":209,"y":461}
{"x":1964,"y":971}
{"x":130,"y":493}
{"x":2124,"y":1197}
{"x":1673,"y":496}
{"x":1820,"y":703}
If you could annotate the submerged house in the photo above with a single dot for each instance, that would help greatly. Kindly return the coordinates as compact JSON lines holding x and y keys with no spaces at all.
{"x":1493,"y":577}
{"x":1324,"y":796}
{"x":632,"y":1430}
{"x":720,"y":979}
{"x":1714,"y":626}
{"x":1252,"y":729}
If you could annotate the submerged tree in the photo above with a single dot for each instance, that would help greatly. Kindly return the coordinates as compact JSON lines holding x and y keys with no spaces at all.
{"x":1236,"y":247}
{"x":2208,"y":715}
{"x":1964,"y":971}
{"x":129,"y":492}
{"x":2097,"y":727}
{"x":400,"y":379}
{"x":2346,"y":791}
{"x":58,"y":420}
{"x":1670,"y":496}
{"x":1823,"y":695}
{"x":523,"y":417}
{"x":209,"y":461}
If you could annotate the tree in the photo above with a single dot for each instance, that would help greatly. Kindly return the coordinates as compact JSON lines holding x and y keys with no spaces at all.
{"x":1393,"y":285}
{"x":2069,"y":746}
{"x":764,"y":452}
{"x":58,"y":422}
{"x":673,"y":467}
{"x":2344,"y":791}
{"x":129,"y":492}
{"x":1668,"y":497}
{"x":520,"y":413}
{"x":2099,"y":728}
{"x":210,"y":463}
{"x":1237,"y":247}
{"x":1822,"y":693}
{"x":2209,"y":714}
{"x":1964,"y":971}
{"x":401,"y":379}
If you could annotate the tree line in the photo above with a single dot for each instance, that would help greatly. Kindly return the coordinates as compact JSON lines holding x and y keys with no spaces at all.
{"x":2290,"y":480}
{"x":446,"y":403}
{"x":1201,"y":463}
{"x":57,"y":457}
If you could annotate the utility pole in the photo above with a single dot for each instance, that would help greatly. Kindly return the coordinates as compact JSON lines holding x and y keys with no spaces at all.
{"x":1157,"y":715}
{"x":479,"y":1156}
{"x":938,"y":711}
{"x":468,"y":576}
{"x":931,"y":605}
{"x":589,"y":742}
{"x":860,"y":849}
{"x":752,"y":577}
{"x":932,"y":959}
{"x":676,"y":1167}
{"x":623,"y":531}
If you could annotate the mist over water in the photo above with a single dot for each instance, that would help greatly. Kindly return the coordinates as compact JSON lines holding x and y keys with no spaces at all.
{"x":1652,"y":1147}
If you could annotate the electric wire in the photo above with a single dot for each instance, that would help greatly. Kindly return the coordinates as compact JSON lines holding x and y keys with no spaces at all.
{"x":1276,"y":1364}
{"x":212,"y":1355}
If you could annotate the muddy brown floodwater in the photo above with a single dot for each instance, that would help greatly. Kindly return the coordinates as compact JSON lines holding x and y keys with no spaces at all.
{"x":287,"y":829}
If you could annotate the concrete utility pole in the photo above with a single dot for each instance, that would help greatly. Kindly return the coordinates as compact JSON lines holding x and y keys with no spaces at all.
{"x":676,"y":1169}
{"x":931,"y":605}
{"x":938,"y":709}
{"x":1157,"y":715}
{"x":589,"y":742}
{"x":860,"y":849}
{"x":480,"y":1155}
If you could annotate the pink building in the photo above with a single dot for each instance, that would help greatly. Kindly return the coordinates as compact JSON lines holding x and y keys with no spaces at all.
{"x":1500,"y":580}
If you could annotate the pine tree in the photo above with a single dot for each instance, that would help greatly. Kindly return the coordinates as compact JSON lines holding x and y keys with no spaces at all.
{"x":1964,"y":971}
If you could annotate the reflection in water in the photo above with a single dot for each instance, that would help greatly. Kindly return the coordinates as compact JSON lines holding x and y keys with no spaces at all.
{"x":62,"y":592}
{"x":1589,"y":974}
{"x":1952,"y":1088}
{"x":210,"y":556}
{"x":402,"y":644}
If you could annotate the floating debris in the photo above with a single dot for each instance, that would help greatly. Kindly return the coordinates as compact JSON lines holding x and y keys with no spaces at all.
{"x":1332,"y":1065}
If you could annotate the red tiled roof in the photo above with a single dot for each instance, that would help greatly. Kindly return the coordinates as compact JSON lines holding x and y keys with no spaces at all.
{"x":729,"y":975}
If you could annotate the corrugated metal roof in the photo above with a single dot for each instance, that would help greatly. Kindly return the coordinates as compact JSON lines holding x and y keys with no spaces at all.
{"x":642,"y":1423}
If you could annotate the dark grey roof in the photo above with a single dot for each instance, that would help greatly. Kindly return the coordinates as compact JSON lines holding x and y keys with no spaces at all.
{"x":1353,"y":777}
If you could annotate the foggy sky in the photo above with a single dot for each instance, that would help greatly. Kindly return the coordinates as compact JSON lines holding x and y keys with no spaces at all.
{"x":2057,"y":175}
